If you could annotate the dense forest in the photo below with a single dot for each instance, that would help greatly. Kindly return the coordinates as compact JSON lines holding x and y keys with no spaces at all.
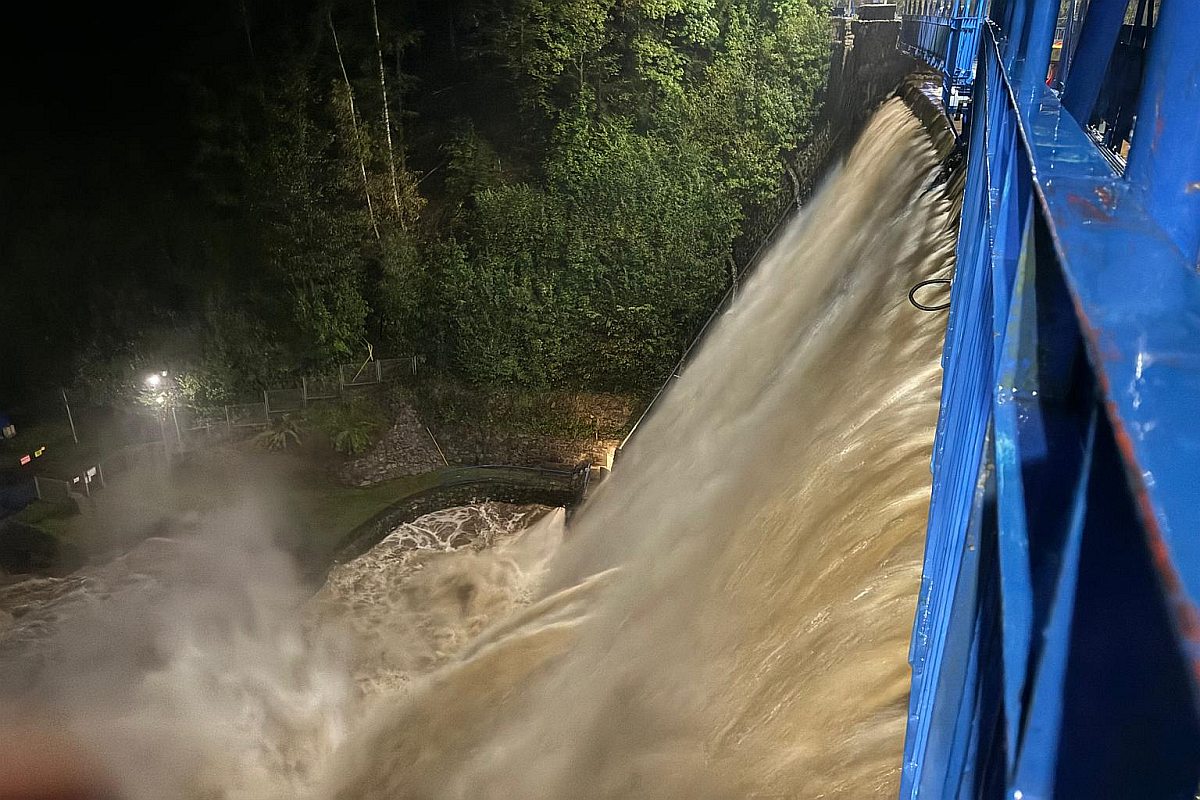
{"x":541,"y":193}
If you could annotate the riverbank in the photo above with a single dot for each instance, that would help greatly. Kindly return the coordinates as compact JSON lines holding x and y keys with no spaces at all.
{"x":310,"y":512}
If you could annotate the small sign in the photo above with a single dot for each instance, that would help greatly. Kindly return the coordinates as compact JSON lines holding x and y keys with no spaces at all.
{"x":91,"y":473}
{"x":25,"y":459}
{"x":38,"y":453}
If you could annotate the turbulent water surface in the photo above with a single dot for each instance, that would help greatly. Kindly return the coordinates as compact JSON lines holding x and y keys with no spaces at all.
{"x":728,"y":617}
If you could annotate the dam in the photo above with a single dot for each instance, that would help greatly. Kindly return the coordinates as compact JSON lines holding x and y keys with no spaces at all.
{"x":917,"y":516}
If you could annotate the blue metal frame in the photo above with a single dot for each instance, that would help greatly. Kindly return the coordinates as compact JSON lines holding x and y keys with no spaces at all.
{"x":1056,"y":647}
{"x":945,"y":35}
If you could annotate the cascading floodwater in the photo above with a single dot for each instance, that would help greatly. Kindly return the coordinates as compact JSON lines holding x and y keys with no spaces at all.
{"x":728,"y":616}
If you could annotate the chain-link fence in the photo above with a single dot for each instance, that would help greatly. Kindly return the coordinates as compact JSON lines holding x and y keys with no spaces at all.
{"x":320,"y":388}
{"x":92,"y":477}
{"x":284,"y":400}
{"x":52,"y":489}
{"x":391,"y":369}
{"x":289,"y":399}
{"x":247,"y":415}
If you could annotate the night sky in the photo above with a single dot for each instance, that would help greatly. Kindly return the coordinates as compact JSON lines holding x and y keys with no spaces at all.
{"x":109,"y":78}
{"x":99,"y":98}
{"x":102,"y":129}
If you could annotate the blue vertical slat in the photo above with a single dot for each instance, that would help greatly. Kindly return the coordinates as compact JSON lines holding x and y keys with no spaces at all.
{"x":1016,"y":581}
{"x":1015,"y":32}
{"x":1039,"y":39}
{"x":962,"y":424}
{"x":1035,"y":771}
{"x":1097,"y":38}
{"x":1165,"y":157}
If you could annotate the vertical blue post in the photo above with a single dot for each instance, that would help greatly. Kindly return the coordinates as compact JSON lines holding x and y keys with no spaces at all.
{"x":1039,"y":39}
{"x":1165,"y":159}
{"x":1015,"y":31}
{"x":1000,"y":11}
{"x":1101,"y":28}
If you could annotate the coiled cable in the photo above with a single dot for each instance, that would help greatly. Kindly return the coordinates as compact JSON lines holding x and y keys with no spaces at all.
{"x":912,"y":294}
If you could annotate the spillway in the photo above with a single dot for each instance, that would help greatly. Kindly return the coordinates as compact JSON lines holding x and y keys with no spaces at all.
{"x":728,"y":616}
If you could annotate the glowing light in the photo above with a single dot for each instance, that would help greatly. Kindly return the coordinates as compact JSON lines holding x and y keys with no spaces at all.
{"x":38,"y":453}
{"x":153,"y":380}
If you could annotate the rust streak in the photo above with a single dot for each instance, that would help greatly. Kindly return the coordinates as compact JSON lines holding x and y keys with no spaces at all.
{"x":1186,"y":616}
{"x":1088,"y":209}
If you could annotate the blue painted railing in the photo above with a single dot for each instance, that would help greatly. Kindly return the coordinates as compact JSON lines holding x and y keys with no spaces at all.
{"x":945,"y":35}
{"x":1056,"y":647}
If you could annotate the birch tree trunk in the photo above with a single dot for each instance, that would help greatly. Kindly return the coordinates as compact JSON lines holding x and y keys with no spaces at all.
{"x":362,"y":165}
{"x":387,"y":118}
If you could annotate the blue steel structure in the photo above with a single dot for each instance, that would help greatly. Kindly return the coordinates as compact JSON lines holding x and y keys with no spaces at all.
{"x":945,"y":35}
{"x":1056,"y":646}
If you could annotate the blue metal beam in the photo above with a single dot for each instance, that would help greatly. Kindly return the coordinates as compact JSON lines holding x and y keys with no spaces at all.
{"x":1056,"y":650}
{"x":1097,"y":38}
{"x":1165,"y":160}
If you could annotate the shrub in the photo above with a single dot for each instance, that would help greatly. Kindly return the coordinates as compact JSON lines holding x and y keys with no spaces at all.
{"x":280,"y":433}
{"x":352,"y":426}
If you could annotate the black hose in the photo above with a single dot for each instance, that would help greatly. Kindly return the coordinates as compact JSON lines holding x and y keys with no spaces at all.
{"x":912,"y":294}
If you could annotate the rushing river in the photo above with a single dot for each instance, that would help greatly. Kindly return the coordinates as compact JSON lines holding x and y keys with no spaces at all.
{"x":728,"y":616}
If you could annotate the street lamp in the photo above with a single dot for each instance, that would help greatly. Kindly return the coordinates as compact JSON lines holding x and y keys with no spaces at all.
{"x":155,"y":380}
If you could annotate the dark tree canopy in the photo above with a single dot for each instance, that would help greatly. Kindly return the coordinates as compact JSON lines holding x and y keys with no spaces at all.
{"x":529,"y":192}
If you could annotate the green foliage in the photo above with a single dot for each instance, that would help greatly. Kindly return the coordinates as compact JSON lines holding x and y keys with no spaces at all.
{"x":281,"y":432}
{"x":521,"y":411}
{"x":472,"y":166}
{"x":601,"y":277}
{"x":669,"y":120}
{"x":313,"y":230}
{"x":555,"y":202}
{"x":352,"y":426}
{"x":549,"y":45}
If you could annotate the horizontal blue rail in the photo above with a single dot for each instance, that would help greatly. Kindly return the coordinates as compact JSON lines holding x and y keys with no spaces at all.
{"x":1056,"y":647}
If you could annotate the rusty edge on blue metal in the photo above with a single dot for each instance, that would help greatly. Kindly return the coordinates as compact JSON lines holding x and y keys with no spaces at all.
{"x":1138,"y":303}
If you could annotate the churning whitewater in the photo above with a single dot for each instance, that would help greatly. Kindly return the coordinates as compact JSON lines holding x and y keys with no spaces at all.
{"x":728,"y":617}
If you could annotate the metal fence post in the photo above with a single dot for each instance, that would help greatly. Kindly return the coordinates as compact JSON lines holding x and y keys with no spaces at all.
{"x":303,"y":392}
{"x":378,"y":371}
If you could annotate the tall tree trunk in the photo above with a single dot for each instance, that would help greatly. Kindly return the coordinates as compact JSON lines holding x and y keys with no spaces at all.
{"x":362,"y":165}
{"x":387,"y":117}
{"x":249,"y":39}
{"x":250,"y":47}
